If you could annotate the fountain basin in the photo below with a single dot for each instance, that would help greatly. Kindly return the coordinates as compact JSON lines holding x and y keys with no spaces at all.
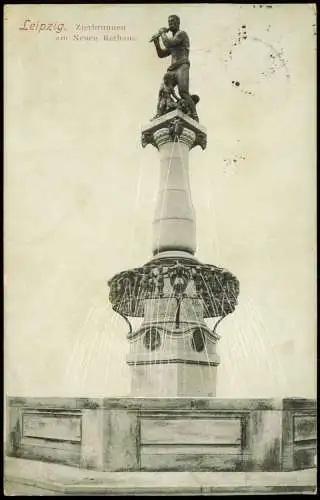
{"x":164,"y":434}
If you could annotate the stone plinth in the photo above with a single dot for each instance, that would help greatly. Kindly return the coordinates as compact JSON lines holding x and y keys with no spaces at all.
{"x":173,"y":378}
{"x":165,"y":434}
{"x":178,"y":365}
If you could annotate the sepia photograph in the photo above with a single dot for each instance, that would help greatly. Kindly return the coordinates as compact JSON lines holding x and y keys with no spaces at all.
{"x":160,"y":249}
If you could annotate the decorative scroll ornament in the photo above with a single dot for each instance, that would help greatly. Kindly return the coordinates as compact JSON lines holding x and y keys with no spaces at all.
{"x":148,"y":138}
{"x":187,"y":137}
{"x":162,"y":136}
{"x":200,"y":140}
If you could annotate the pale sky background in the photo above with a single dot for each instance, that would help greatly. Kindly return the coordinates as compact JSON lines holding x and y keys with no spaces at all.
{"x":79,"y":190}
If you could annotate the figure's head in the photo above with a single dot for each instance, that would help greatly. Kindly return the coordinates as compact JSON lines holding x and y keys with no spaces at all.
{"x":173,"y":23}
{"x":195,"y":98}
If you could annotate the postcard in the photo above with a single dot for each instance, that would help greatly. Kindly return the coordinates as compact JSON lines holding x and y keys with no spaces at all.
{"x":88,"y":92}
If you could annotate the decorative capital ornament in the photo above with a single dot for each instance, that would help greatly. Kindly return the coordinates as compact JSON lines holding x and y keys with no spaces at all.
{"x":173,"y":127}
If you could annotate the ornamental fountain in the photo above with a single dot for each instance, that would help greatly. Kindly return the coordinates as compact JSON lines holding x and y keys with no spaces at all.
{"x":172,"y":420}
{"x":173,"y":353}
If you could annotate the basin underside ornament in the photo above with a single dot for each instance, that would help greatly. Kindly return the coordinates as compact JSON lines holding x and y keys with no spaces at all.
{"x":159,"y":279}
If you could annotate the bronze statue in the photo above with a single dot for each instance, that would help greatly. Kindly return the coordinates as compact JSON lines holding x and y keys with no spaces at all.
{"x":178,"y":47}
{"x":168,"y":99}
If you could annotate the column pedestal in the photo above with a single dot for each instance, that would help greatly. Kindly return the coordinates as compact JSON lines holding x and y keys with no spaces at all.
{"x":164,"y":358}
{"x":173,"y":353}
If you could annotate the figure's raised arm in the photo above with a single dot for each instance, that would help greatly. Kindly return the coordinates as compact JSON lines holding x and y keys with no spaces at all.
{"x":161,"y":52}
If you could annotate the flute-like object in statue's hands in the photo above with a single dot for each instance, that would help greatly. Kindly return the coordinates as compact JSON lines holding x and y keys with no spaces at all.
{"x":157,"y":35}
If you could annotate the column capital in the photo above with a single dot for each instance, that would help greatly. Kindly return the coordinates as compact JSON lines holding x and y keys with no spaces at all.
{"x":174,"y":131}
{"x":174,"y":126}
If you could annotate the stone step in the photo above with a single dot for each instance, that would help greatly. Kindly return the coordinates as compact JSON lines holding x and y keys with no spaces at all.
{"x":39,"y":478}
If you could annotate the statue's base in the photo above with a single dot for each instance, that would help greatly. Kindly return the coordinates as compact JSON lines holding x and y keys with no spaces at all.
{"x":164,"y":434}
{"x":32,"y":478}
{"x":168,"y":121}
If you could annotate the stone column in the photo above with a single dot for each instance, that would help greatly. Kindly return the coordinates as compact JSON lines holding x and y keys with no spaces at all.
{"x":174,"y":226}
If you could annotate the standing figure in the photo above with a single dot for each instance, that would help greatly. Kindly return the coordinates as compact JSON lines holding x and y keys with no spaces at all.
{"x":178,"y":47}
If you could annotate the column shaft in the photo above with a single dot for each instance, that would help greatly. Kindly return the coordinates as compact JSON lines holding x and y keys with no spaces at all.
{"x":174,"y":226}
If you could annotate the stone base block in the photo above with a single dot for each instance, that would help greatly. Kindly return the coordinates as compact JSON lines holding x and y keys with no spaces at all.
{"x":173,"y":379}
{"x":165,"y":434}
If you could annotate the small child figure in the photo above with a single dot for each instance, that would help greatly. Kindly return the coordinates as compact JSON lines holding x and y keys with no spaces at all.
{"x":185,"y":108}
{"x":168,"y":99}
